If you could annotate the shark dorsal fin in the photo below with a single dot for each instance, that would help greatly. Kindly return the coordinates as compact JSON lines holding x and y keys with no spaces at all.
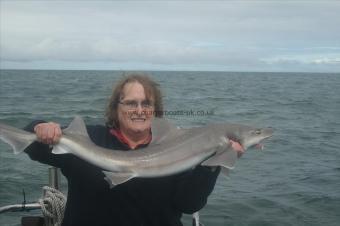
{"x":162,"y":129}
{"x":76,"y":127}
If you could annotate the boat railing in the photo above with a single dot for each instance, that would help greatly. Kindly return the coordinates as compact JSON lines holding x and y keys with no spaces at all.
{"x":54,"y":183}
{"x":20,"y":207}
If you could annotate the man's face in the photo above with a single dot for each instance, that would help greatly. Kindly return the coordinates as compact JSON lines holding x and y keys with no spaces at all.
{"x":134,"y":110}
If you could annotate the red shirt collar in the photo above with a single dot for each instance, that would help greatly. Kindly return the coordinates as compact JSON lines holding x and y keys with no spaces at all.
{"x":117,"y":133}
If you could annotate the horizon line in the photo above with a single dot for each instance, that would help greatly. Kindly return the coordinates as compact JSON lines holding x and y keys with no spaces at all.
{"x":163,"y":70}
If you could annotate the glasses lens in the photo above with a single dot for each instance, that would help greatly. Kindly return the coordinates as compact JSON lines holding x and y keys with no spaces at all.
{"x":146,"y":104}
{"x":133,"y":104}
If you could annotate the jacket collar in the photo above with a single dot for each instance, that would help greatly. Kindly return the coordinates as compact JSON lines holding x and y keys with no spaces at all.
{"x":119,"y":135}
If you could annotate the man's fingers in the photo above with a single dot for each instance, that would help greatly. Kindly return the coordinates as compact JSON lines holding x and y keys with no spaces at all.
{"x":57,"y":134}
{"x":48,"y":133}
{"x":39,"y":132}
{"x":237,"y":147}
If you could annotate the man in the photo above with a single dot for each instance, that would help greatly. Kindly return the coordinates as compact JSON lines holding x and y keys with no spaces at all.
{"x":135,"y":100}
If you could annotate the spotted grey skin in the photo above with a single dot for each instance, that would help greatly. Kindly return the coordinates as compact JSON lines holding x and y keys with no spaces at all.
{"x":172,"y":149}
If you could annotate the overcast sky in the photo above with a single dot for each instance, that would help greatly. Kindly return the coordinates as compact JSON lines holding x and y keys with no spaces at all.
{"x":270,"y":35}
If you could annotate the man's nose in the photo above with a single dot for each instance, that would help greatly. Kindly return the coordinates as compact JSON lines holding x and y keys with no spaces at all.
{"x":139,"y":109}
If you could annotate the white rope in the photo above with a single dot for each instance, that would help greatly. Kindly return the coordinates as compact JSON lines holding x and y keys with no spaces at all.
{"x":196,"y":219}
{"x":53,"y":205}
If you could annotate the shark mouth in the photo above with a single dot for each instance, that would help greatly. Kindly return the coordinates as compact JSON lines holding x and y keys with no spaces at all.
{"x":259,"y":146}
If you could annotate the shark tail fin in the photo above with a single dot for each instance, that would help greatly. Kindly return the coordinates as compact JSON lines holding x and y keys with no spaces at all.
{"x":18,"y":139}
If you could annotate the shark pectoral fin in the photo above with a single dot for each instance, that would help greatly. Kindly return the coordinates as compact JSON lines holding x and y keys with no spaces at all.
{"x":225,"y":159}
{"x":224,"y":171}
{"x":117,"y":178}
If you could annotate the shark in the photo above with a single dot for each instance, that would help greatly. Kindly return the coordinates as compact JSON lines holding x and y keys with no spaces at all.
{"x":172,"y":149}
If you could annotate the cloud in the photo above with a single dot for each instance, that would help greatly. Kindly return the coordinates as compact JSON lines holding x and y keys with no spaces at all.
{"x":220,"y":34}
{"x":327,"y":59}
{"x":330,"y":61}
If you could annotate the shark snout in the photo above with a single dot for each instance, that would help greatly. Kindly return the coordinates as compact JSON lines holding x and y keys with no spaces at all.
{"x":269,"y":131}
{"x":266,"y":133}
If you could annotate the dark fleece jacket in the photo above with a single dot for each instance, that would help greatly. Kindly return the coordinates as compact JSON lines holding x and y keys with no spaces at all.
{"x":138,"y":202}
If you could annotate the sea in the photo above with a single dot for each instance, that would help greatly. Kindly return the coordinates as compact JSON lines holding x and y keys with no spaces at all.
{"x":295,"y":180}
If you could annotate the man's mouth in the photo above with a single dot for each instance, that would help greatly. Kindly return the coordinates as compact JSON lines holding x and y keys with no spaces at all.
{"x":138,"y":119}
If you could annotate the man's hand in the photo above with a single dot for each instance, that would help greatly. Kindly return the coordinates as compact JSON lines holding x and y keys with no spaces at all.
{"x":48,"y":133}
{"x":237,"y":147}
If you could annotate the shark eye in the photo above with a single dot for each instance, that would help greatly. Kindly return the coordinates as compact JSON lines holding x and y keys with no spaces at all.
{"x":258,"y":132}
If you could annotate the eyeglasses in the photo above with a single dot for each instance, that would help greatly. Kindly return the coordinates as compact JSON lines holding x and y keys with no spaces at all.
{"x":133,"y":104}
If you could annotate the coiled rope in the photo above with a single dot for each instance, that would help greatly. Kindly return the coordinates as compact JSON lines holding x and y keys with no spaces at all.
{"x":53,"y":205}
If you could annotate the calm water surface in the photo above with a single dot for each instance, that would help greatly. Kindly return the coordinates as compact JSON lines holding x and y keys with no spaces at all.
{"x":294,"y":181}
